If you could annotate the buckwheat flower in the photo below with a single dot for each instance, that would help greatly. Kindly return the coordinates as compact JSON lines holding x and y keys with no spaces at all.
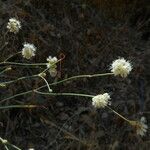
{"x":51,"y":61}
{"x":140,"y":126}
{"x":53,"y":72}
{"x":101,"y":100}
{"x":121,"y":67}
{"x":28,"y":50}
{"x":14,"y":25}
{"x":51,"y":65}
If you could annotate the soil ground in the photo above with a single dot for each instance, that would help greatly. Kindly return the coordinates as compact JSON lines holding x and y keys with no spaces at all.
{"x":91,"y":34}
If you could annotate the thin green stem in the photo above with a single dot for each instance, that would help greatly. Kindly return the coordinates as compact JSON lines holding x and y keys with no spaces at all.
{"x":22,"y":64}
{"x":63,"y":94}
{"x":6,"y":147}
{"x":18,"y":79}
{"x":82,"y":95}
{"x":21,"y":78}
{"x":5,"y":142}
{"x":44,"y":70}
{"x":17,"y":148}
{"x":81,"y":76}
{"x":55,"y":83}
{"x":20,"y":94}
{"x":12,"y":56}
{"x":49,"y":89}
{"x":119,"y":114}
{"x":18,"y":106}
{"x":5,"y":70}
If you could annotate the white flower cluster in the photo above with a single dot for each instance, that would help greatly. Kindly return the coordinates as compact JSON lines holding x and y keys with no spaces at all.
{"x":28,"y":50}
{"x":121,"y":67}
{"x":142,"y":127}
{"x":14,"y":25}
{"x":101,"y":100}
{"x":51,"y":65}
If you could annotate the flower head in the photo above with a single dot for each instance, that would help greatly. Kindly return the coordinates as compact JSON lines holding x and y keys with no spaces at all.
{"x":51,"y":65}
{"x":140,"y":126}
{"x":51,"y":61}
{"x":28,"y":50}
{"x":53,"y":72}
{"x":121,"y":67}
{"x":14,"y":25}
{"x":101,"y":100}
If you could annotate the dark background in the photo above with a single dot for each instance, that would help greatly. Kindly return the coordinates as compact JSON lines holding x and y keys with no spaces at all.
{"x":91,"y":34}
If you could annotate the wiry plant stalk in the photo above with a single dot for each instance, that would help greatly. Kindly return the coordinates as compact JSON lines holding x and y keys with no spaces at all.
{"x":56,"y":83}
{"x":18,"y":106}
{"x":5,"y":70}
{"x":49,"y":89}
{"x":6,"y":144}
{"x":63,"y":94}
{"x":18,"y":79}
{"x":12,"y":56}
{"x":22,"y":64}
{"x":122,"y":117}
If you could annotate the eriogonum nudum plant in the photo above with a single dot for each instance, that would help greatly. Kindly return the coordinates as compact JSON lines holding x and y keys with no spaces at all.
{"x":28,"y":50}
{"x":140,"y":126}
{"x":51,"y":65}
{"x":101,"y":100}
{"x":121,"y":67}
{"x":14,"y":25}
